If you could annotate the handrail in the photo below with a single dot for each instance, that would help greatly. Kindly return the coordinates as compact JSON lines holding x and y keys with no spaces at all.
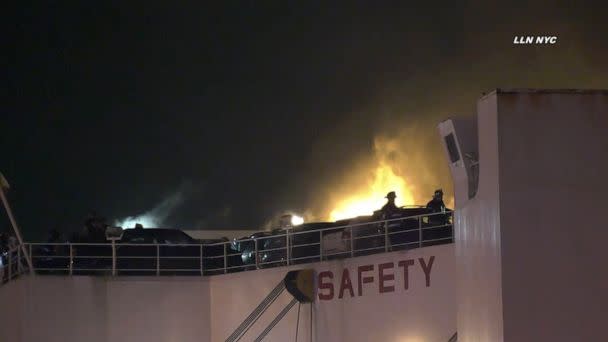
{"x":335,"y":228}
{"x":284,"y":248}
{"x":12,"y":264}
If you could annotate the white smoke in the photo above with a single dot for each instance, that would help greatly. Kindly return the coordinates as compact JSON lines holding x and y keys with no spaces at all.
{"x":156,"y":216}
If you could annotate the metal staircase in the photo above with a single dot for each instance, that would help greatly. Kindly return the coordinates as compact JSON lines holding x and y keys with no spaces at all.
{"x":298,"y":283}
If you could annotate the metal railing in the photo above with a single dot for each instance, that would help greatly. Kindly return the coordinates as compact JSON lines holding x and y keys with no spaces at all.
{"x":12,"y":264}
{"x":291,"y":246}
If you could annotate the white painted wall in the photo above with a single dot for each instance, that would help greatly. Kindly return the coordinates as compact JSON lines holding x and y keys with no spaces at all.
{"x":12,"y":310}
{"x":553,"y":166}
{"x":530,"y":246}
{"x":419,"y":313}
{"x":158,"y":309}
{"x":183,"y":309}
{"x":92,"y":309}
{"x":478,"y":239}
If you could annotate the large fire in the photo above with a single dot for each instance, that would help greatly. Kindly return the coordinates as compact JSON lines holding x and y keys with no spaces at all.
{"x":403,"y":163}
{"x":371,"y":197}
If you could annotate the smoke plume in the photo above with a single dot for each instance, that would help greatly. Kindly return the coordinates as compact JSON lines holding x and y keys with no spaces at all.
{"x":158,"y":215}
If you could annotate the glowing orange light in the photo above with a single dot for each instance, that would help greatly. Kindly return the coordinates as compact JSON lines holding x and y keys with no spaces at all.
{"x":370,"y":198}
{"x":401,"y":163}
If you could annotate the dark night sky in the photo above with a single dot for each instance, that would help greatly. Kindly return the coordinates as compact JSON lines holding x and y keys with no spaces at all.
{"x":245,"y":109}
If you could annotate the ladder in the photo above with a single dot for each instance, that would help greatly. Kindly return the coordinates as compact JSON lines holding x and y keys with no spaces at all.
{"x":298,"y":283}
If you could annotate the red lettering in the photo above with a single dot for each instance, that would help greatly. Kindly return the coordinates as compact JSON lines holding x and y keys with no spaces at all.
{"x":385,"y":277}
{"x":326,"y":286}
{"x":406,"y":264}
{"x":364,"y":280}
{"x":427,"y":269}
{"x":346,"y":284}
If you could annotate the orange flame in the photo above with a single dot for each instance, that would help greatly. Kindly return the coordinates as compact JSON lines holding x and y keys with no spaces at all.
{"x":368,"y":199}
{"x":403,"y":163}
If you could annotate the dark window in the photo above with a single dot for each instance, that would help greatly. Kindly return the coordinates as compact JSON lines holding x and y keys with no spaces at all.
{"x":452,"y":149}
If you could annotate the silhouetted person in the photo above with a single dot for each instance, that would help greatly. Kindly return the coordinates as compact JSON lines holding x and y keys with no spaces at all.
{"x":12,"y":242}
{"x":436,"y":204}
{"x":53,"y":240}
{"x":95,"y":227}
{"x":54,"y":236}
{"x":390,"y":206}
{"x":139,"y":227}
{"x":89,"y":224}
{"x":3,"y":242}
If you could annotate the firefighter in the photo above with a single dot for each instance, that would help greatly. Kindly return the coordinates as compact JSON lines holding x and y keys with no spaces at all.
{"x":53,"y":240}
{"x":95,"y":228}
{"x":390,"y":206}
{"x":436,"y":204}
